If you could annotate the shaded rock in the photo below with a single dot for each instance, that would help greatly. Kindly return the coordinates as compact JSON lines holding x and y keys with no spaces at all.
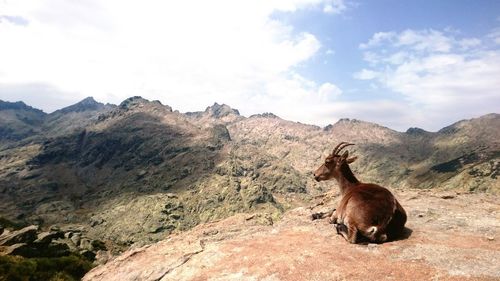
{"x":98,"y":245}
{"x":88,"y":254}
{"x":55,"y":249}
{"x":55,"y":228}
{"x":220,"y":134}
{"x":47,"y":237}
{"x":24,"y":235}
{"x":85,"y":244}
{"x":36,"y":250}
{"x":76,"y":238}
{"x":14,"y":249}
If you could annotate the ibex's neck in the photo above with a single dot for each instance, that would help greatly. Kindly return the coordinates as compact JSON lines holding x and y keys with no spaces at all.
{"x":346,"y":179}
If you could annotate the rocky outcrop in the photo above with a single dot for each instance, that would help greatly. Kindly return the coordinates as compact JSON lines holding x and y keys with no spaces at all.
{"x":25,"y":235}
{"x":443,"y":241}
{"x":30,"y":242}
{"x":220,"y":110}
{"x":215,"y":114}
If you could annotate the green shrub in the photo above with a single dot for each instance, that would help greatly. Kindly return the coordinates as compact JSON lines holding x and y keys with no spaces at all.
{"x":15,"y":268}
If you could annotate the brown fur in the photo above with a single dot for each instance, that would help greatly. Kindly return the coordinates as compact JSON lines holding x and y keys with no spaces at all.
{"x":368,"y":209}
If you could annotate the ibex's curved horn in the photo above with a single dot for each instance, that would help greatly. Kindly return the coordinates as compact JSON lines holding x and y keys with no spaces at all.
{"x":341,"y":146}
{"x":337,"y":147}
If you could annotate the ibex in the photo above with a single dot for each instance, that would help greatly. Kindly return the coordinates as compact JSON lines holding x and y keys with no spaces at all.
{"x":368,"y":209}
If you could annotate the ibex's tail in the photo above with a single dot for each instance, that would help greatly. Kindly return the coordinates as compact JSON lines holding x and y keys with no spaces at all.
{"x":376,"y":234}
{"x":372,"y":230}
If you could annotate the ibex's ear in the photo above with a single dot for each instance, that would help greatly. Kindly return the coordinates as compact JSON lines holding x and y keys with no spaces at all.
{"x":352,"y":159}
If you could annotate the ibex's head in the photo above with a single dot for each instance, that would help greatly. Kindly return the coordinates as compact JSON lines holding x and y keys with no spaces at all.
{"x":331,"y":168}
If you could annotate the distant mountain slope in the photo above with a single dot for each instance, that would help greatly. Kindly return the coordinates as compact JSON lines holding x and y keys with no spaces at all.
{"x":137,"y":171}
{"x":18,"y":121}
{"x":74,"y":117}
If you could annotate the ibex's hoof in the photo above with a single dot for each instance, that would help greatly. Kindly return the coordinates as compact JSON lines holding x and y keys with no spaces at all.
{"x":317,"y":216}
{"x":340,"y":228}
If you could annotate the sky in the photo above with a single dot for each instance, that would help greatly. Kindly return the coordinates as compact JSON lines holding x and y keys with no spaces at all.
{"x":397,"y":63}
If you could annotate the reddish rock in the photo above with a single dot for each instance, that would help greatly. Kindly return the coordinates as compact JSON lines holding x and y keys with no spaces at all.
{"x":449,"y":243}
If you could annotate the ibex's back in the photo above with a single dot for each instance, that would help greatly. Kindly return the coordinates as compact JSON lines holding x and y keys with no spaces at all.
{"x":369,"y":209}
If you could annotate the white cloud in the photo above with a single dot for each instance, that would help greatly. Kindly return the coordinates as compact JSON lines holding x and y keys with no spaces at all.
{"x":334,"y":7}
{"x":418,"y":40}
{"x":366,"y":74}
{"x":469,"y":43}
{"x":442,"y":78}
{"x":424,"y":40}
{"x":495,"y":36}
{"x":330,"y":52}
{"x":377,"y":39}
{"x":328,"y":91}
{"x":187,"y":54}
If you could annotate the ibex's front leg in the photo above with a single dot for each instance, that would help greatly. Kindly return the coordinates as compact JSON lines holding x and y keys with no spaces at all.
{"x":322,"y":215}
{"x":344,"y":228}
{"x":333,"y":217}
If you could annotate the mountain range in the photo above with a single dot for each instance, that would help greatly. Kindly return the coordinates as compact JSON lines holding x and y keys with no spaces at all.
{"x":132,"y":173}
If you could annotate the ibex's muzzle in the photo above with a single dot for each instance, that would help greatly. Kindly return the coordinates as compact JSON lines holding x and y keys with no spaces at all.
{"x":316,"y":178}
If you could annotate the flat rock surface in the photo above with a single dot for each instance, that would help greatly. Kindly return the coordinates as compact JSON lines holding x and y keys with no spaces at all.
{"x":449,"y":237}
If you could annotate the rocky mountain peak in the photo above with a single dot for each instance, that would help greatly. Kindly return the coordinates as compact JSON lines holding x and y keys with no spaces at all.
{"x":485,"y":121}
{"x":88,"y":101}
{"x":133,"y":101}
{"x":18,"y":121}
{"x":328,"y":127}
{"x":140,"y":102}
{"x":87,"y":104}
{"x":346,"y":122}
{"x":265,"y":115}
{"x":18,"y":105}
{"x":415,"y":131}
{"x":356,"y":123}
{"x":221,"y":110}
